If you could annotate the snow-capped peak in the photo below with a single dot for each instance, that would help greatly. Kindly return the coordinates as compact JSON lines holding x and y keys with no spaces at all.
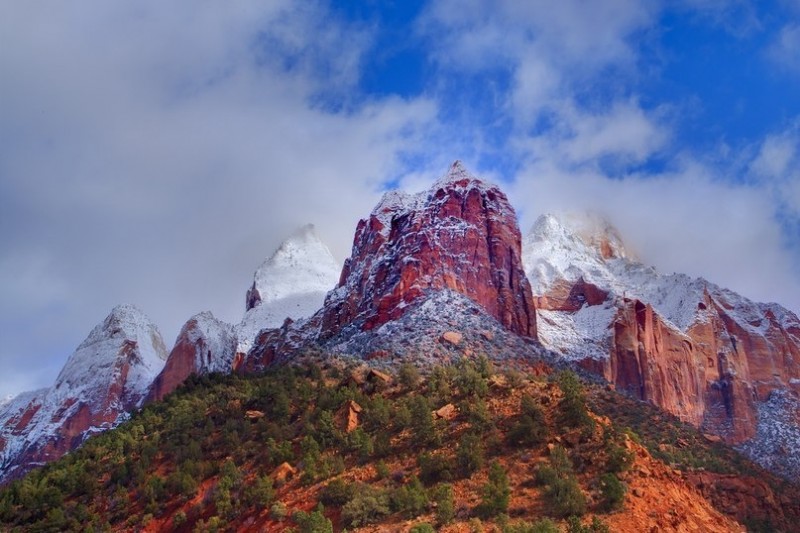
{"x":292,"y":283}
{"x":458,"y":173}
{"x":302,"y":263}
{"x":126,"y":338}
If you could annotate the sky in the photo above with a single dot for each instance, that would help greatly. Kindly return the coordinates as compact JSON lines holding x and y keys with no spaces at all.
{"x":155,"y":153}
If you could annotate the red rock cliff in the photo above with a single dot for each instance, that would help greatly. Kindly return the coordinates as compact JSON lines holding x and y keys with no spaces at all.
{"x":461,"y":235}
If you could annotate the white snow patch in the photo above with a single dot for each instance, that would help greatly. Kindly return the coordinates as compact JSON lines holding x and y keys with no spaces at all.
{"x":292,"y":283}
{"x":585,"y":333}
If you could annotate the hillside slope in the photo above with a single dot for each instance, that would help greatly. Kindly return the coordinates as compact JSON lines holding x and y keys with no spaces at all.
{"x":465,"y":446}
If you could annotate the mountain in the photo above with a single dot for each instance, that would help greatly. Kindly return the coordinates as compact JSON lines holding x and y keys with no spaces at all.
{"x":421,"y":265}
{"x":703,"y":353}
{"x":204,"y":345}
{"x":292,"y":283}
{"x":460,"y":235}
{"x":105,"y":379}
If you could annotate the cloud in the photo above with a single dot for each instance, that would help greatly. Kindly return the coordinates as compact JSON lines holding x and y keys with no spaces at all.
{"x":156,"y":154}
{"x":785,"y":49}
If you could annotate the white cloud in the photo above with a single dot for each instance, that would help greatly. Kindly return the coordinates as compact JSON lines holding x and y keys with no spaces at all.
{"x":785,"y":50}
{"x":158,"y":152}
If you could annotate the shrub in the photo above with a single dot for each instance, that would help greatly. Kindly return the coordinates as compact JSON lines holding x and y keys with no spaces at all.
{"x":408,"y":376}
{"x":382,"y":470}
{"x":470,"y":454}
{"x":613,"y":492}
{"x":434,"y":468}
{"x":422,"y":425}
{"x":422,"y":528}
{"x":337,"y":493}
{"x":618,"y":458}
{"x":261,"y":492}
{"x":367,"y":506}
{"x":531,"y":428}
{"x":565,"y":498}
{"x":596,"y":526}
{"x":445,"y":504}
{"x":278,"y":511}
{"x":573,"y":404}
{"x":495,"y":493}
{"x":410,"y":499}
{"x":313,"y":522}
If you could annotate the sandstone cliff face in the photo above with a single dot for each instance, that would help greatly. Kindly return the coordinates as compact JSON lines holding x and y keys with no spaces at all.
{"x":204,"y":345}
{"x":105,"y":379}
{"x":461,"y":235}
{"x":701,"y":352}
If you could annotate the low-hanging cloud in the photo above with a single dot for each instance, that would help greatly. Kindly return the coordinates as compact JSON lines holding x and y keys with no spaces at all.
{"x":156,"y":154}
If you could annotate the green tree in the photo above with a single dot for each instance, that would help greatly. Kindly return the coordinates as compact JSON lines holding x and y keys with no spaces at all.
{"x":496,"y":493}
{"x":613,"y":492}
{"x":445,"y":504}
{"x":313,"y":522}
{"x":565,"y":498}
{"x":574,"y":412}
{"x":470,"y":455}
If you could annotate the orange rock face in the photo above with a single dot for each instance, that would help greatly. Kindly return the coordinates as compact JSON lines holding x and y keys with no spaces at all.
{"x":712,"y":376}
{"x":462,"y":235}
{"x":203,"y":345}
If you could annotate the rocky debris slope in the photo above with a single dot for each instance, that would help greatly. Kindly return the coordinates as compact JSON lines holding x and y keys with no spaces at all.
{"x":204,"y":345}
{"x":105,"y":379}
{"x":460,"y":235}
{"x":292,"y":283}
{"x":701,"y":352}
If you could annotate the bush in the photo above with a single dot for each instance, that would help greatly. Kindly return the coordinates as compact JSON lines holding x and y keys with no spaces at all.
{"x":470,"y":454}
{"x":278,"y":511}
{"x":531,"y":428}
{"x":410,"y":499}
{"x":367,"y":506}
{"x":618,"y":458}
{"x":422,"y":424}
{"x":565,"y":498}
{"x":445,"y":504}
{"x":337,"y":493}
{"x":422,"y":528}
{"x":573,"y":405}
{"x":613,"y":492}
{"x":408,"y":376}
{"x":313,"y":522}
{"x":496,"y":492}
{"x":596,"y":526}
{"x":434,"y":468}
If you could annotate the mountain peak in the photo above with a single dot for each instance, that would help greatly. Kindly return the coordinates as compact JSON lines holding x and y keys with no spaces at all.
{"x":302,"y":262}
{"x":594,"y":231}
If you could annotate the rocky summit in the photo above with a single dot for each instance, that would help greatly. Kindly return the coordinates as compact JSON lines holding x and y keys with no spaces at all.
{"x":461,"y":235}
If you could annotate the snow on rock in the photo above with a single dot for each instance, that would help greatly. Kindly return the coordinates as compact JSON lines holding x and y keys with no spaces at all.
{"x":702,"y":352}
{"x":292,"y":283}
{"x":460,"y":235}
{"x":204,"y":345}
{"x":105,"y":379}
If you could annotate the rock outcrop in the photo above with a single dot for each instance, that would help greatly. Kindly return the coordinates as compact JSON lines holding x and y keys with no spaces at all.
{"x":204,"y":345}
{"x":106,"y":378}
{"x":701,"y":352}
{"x":461,"y":235}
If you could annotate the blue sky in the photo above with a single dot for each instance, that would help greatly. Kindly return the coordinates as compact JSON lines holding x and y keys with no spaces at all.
{"x":154,"y":153}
